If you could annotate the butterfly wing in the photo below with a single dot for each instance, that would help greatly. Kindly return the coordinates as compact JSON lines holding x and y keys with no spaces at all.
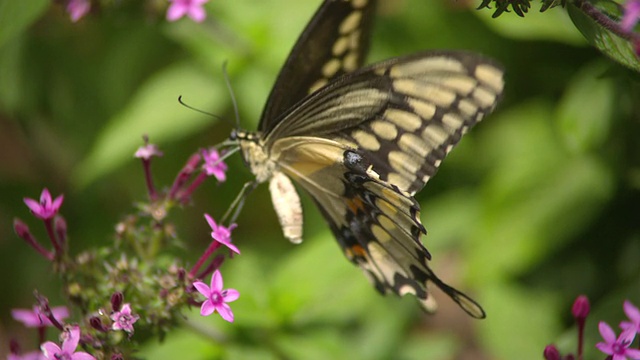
{"x":334,"y":42}
{"x":364,"y":144}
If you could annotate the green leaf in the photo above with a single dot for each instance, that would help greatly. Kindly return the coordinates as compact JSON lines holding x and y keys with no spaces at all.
{"x":615,"y":47}
{"x":553,"y":24}
{"x":586,"y":109}
{"x":16,"y":16}
{"x":154,"y":111}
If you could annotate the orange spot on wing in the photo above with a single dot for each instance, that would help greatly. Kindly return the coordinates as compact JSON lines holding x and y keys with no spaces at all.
{"x":355,"y":204}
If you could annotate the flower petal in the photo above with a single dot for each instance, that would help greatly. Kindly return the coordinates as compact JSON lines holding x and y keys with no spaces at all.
{"x":216,"y":281}
{"x":198,"y":15}
{"x":45,"y":196}
{"x":202,"y":288}
{"x":212,"y":223}
{"x":627,"y":336}
{"x":230,"y":295}
{"x":225,"y":312}
{"x":176,"y":11}
{"x":33,"y":205}
{"x":82,"y":356}
{"x":607,"y":333}
{"x":70,"y":344}
{"x":50,"y":349}
{"x":632,"y":312}
{"x":207,"y":308}
{"x":28,"y":317}
{"x":605,"y":348}
{"x":633,"y":353}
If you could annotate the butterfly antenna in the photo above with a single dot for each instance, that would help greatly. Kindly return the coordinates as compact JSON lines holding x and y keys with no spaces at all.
{"x":238,"y":202}
{"x":233,"y":96}
{"x":200,"y":111}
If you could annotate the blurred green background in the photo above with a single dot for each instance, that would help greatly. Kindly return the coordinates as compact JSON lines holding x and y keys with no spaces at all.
{"x":538,"y":204}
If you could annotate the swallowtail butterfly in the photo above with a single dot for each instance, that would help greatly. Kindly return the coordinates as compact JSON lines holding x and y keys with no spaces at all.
{"x":361,"y":141}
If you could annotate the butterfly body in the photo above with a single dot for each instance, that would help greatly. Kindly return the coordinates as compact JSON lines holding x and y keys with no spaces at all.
{"x":361,"y":141}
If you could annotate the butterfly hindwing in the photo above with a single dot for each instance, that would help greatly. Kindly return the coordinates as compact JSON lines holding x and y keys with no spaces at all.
{"x":376,"y":224}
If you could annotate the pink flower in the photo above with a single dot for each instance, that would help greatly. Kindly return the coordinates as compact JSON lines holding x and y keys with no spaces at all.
{"x":35,"y":318}
{"x":46,"y":208}
{"x":191,"y":8}
{"x":124,"y":319}
{"x":217,"y":298}
{"x":631,"y":15}
{"x":213,"y":165}
{"x":71,"y":337}
{"x":633,"y":314}
{"x":33,"y":355}
{"x":618,"y":348}
{"x":78,"y":8}
{"x":147,"y":151}
{"x":222,"y":234}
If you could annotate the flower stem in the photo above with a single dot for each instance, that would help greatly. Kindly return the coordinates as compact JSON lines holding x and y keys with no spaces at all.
{"x":207,"y":253}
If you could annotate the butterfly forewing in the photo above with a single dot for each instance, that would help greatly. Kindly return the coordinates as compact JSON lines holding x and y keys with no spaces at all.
{"x":335,"y":42}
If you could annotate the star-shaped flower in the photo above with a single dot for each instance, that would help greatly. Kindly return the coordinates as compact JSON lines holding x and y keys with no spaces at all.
{"x":46,"y":208}
{"x":213,"y":165}
{"x":633,"y":314}
{"x":222,"y":234}
{"x":192,"y":8}
{"x":618,"y":348}
{"x":52,"y":351}
{"x":124,"y":319}
{"x":217,"y":298}
{"x":35,"y":318}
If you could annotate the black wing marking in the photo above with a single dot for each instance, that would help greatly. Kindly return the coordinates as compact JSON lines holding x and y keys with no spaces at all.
{"x":335,"y":42}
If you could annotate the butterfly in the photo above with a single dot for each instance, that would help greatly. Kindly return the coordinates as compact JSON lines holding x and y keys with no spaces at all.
{"x":361,"y":141}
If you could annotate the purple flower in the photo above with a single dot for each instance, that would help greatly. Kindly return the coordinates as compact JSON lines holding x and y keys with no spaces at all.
{"x":633,"y":314}
{"x":147,"y":151}
{"x":191,"y":8}
{"x":33,"y":355}
{"x":52,"y":351}
{"x":35,"y":318}
{"x":78,"y":8}
{"x":618,"y":348}
{"x":630,"y":15}
{"x":46,"y":208}
{"x":124,"y":319}
{"x":222,"y":234}
{"x":217,"y":298}
{"x":213,"y":165}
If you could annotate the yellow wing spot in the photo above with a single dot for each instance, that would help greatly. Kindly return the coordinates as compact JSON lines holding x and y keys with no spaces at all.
{"x":430,"y":64}
{"x":484,"y":97}
{"x":406,"y":120}
{"x":462,"y":84}
{"x":436,"y":94}
{"x":366,"y":141}
{"x":317,"y":85}
{"x":423,"y":109}
{"x":403,"y":163}
{"x":467,"y":107}
{"x":491,"y":76}
{"x":350,"y":61}
{"x":340,"y":46}
{"x":351,"y":22}
{"x":452,"y":121}
{"x":380,"y":234}
{"x":411,"y":143}
{"x":358,"y":4}
{"x":331,"y":68}
{"x":384,"y":129}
